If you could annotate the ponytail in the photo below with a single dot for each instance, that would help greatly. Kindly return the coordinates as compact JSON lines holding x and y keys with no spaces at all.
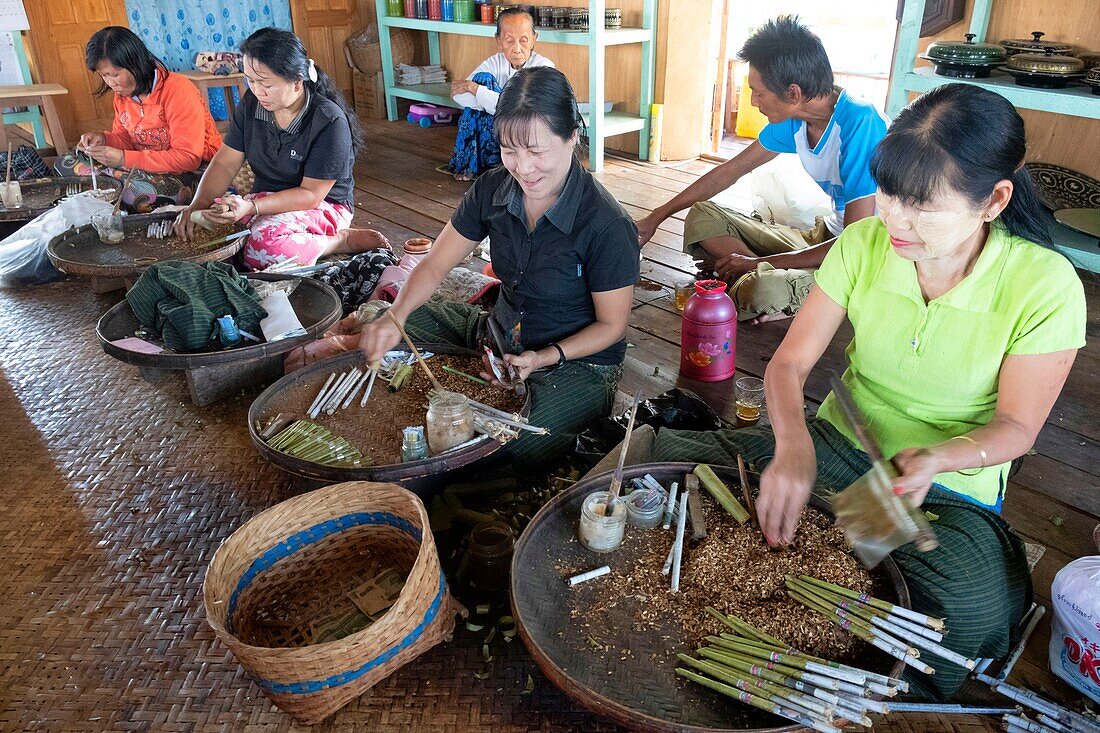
{"x":283,"y":53}
{"x":1026,"y":216}
{"x":327,"y":89}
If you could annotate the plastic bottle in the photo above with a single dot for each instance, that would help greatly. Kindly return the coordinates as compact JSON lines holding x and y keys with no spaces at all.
{"x":708,"y":341}
{"x":228,"y":334}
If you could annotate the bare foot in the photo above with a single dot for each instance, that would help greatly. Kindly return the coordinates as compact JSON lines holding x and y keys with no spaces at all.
{"x":361,"y":240}
{"x":464,"y":177}
{"x":771,"y":317}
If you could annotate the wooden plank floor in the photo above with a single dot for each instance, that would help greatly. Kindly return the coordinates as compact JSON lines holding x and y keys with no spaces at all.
{"x":116,"y":493}
{"x":1054,"y":500}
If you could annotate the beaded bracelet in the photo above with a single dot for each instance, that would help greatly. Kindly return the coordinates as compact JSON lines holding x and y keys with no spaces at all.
{"x":981,"y":450}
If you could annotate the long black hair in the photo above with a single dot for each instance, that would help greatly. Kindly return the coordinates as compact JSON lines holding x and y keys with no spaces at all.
{"x":542,"y":93}
{"x":283,"y":53}
{"x":123,"y":49}
{"x":784,"y":52}
{"x":962,"y":138}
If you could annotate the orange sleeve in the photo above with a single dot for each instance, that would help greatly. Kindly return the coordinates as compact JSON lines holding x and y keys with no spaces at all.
{"x":118,"y":136}
{"x":185,"y":114}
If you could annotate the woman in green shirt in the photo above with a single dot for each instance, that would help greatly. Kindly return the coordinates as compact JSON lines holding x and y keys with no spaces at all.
{"x":965,"y":331}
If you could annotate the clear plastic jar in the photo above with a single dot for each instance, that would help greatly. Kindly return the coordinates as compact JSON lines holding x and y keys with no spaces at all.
{"x":450,"y":421}
{"x":645,"y":507}
{"x":413,"y":446}
{"x":598,"y":532}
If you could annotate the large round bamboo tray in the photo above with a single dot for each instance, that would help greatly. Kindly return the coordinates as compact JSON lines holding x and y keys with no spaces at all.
{"x":42,"y":194}
{"x":80,"y":251}
{"x":212,"y":375}
{"x":635,"y":691}
{"x":293,"y":394}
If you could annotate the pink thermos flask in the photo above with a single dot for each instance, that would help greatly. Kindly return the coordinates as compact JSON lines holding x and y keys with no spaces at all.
{"x":708,"y":334}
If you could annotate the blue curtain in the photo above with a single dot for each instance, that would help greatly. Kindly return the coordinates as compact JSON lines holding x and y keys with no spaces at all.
{"x":175,"y":30}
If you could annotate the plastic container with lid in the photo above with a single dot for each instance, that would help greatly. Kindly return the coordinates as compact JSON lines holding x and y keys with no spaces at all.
{"x":1047,"y":70}
{"x":965,"y":59}
{"x":1035,"y":44}
{"x":708,"y":334}
{"x":644,"y":507}
{"x":597,"y":531}
{"x":450,"y":421}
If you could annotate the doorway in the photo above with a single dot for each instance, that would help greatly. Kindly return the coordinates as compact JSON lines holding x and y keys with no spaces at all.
{"x":858,"y":35}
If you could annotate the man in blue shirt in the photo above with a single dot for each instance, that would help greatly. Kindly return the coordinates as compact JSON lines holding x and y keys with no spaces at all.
{"x":834,"y":136}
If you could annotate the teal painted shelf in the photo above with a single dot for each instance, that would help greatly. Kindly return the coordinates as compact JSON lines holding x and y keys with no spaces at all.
{"x":615,"y":123}
{"x":601,"y":124}
{"x":1076,"y":100}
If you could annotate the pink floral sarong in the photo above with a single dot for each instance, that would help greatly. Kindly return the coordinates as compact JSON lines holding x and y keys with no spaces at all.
{"x":302,"y":234}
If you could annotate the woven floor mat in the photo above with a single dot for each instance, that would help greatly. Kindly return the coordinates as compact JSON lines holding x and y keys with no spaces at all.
{"x":114,"y":495}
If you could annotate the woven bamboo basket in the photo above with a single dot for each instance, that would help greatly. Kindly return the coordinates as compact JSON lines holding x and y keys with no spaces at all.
{"x":364,"y":53}
{"x":281,"y":594}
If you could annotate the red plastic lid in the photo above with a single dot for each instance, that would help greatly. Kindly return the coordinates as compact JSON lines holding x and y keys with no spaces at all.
{"x":710,"y":287}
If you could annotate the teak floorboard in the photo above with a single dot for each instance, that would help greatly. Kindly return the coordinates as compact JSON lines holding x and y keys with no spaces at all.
{"x":117,"y":493}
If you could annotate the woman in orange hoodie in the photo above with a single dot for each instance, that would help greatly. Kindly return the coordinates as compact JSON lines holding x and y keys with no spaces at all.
{"x":162,"y":125}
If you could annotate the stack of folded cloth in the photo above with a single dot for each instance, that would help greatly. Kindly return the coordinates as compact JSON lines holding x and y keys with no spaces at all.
{"x":433,"y":74}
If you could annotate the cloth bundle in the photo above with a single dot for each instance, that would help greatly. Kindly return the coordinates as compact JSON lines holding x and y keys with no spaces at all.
{"x":181,"y":301}
{"x":26,"y":163}
{"x":432,"y":74}
{"x":221,"y":63}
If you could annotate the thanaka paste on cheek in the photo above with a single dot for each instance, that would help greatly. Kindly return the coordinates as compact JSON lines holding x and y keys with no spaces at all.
{"x":943,"y":231}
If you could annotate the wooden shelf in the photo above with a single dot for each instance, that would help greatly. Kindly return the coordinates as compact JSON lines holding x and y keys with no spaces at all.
{"x":615,"y":123}
{"x":1076,"y":99}
{"x":601,"y":124}
{"x":616,"y":37}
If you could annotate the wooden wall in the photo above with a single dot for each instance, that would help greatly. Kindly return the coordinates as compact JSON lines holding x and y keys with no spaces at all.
{"x":324,"y":25}
{"x":1070,"y":141}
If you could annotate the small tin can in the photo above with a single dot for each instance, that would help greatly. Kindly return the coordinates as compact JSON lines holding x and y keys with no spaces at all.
{"x":435,"y":10}
{"x":422,"y":9}
{"x":561,"y":18}
{"x":613,"y":18}
{"x":578,"y":19}
{"x":546,"y":16}
{"x":448,"y":10}
{"x":486,"y":12}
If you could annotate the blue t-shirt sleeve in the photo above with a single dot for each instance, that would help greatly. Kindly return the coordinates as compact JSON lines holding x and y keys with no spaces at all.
{"x":778,"y":137}
{"x":857,"y":145}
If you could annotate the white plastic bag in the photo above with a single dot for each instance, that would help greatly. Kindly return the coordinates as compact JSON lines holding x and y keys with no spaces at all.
{"x":784,"y":193}
{"x":1074,"y":650}
{"x":23,"y":259}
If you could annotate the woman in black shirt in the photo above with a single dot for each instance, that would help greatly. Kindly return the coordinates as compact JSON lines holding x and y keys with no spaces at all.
{"x":300,"y":137}
{"x":566,"y":254}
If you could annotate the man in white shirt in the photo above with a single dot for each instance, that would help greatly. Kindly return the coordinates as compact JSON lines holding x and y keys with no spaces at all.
{"x":475,"y":150}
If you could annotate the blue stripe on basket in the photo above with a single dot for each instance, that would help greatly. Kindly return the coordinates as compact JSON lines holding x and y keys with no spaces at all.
{"x":304,"y":688}
{"x":305,"y":538}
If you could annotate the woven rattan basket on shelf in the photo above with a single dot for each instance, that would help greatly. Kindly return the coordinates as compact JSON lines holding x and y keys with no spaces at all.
{"x":281,"y":594}
{"x":364,"y":53}
{"x":244,"y":180}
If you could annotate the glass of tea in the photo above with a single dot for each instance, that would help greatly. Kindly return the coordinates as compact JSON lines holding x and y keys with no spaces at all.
{"x":684,"y":290}
{"x":749,"y":392}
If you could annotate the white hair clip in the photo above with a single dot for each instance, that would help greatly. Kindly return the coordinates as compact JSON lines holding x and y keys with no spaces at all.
{"x":312,"y":71}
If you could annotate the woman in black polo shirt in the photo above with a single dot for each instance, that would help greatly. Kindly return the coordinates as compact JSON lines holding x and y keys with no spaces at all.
{"x":298,"y":133}
{"x":566,"y":253}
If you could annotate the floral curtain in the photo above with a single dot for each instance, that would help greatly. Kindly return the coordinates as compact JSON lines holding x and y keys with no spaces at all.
{"x":175,"y":30}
